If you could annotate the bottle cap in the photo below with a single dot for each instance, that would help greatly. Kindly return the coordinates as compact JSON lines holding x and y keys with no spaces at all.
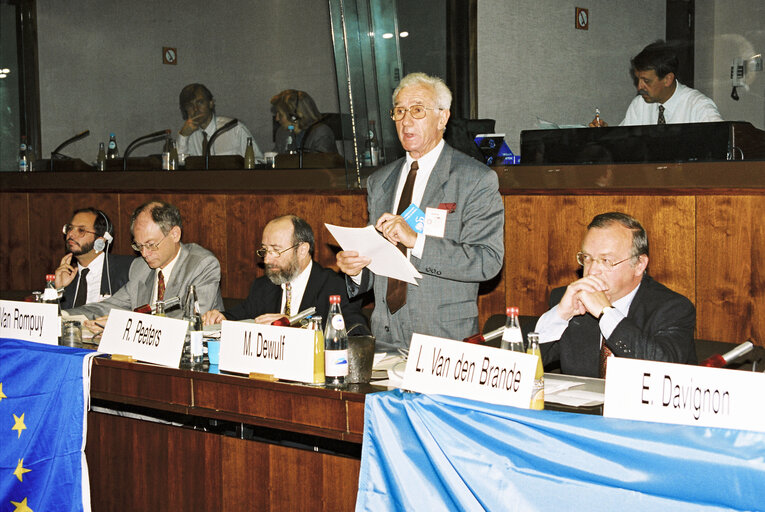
{"x":512,"y":310}
{"x":50,"y":277}
{"x":334,"y":299}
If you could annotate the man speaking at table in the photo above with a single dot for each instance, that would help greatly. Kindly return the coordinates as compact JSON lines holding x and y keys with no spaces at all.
{"x":616,"y":308}
{"x":453,"y":262}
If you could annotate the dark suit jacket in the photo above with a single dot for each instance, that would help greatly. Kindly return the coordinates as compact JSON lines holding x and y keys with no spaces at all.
{"x":658,"y":327}
{"x":266,"y":297}
{"x":119,"y":266}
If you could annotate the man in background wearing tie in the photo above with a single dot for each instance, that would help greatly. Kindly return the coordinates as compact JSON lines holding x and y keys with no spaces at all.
{"x":615,"y":308}
{"x":166,"y":269}
{"x":661,"y":99}
{"x":201,"y":122}
{"x":293,"y":281}
{"x":466,"y":245}
{"x":95,"y":274}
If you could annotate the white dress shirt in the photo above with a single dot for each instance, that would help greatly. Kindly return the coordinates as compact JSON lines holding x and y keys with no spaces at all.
{"x":93,"y":279}
{"x":232,"y":142}
{"x":298,"y":286}
{"x":685,"y":106}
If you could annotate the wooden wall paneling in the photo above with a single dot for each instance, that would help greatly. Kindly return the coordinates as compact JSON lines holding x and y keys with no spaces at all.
{"x":730,"y":275}
{"x":246,"y":216}
{"x":302,"y":471}
{"x":15,"y":242}
{"x":48,"y":212}
{"x":245,"y":475}
{"x":340,"y":482}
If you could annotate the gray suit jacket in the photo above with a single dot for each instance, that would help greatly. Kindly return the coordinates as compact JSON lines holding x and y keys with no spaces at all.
{"x":196,"y":265}
{"x":471,"y":251}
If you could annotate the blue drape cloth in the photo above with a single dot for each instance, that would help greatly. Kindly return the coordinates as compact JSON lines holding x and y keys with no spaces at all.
{"x":42,"y":417}
{"x":440,"y":453}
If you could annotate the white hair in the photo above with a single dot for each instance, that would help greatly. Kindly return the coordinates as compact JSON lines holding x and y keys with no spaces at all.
{"x":443,"y":94}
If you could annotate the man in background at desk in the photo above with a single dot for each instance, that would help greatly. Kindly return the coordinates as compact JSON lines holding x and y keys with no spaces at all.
{"x":293,"y":281}
{"x":453,"y":262}
{"x":616,"y":308}
{"x":166,"y":269}
{"x":201,"y":123}
{"x":96,"y":275}
{"x":661,"y":99}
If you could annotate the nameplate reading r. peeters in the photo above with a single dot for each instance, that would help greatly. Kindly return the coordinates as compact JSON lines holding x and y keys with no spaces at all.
{"x":284,"y":352}
{"x":439,"y":366}
{"x":684,"y":394}
{"x":154,"y":339}
{"x":30,"y":321}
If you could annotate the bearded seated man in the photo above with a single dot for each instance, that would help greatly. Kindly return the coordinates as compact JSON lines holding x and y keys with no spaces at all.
{"x":293,"y":281}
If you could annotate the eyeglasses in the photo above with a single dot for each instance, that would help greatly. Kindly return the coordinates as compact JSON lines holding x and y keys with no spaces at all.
{"x":585,"y":259}
{"x":263,"y":251}
{"x":78,"y":231}
{"x":151,"y":247}
{"x":416,"y":111}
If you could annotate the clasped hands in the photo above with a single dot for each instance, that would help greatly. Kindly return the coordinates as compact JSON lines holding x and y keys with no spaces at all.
{"x":394,"y":228}
{"x":587,"y":295}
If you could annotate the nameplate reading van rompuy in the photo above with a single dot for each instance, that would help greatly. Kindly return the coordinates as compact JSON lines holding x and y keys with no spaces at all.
{"x":439,"y":366}
{"x":149,"y":338}
{"x":284,"y":352}
{"x":684,"y":394}
{"x":30,"y":321}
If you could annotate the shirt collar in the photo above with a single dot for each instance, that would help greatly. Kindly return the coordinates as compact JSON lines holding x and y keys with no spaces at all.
{"x":428,"y":160}
{"x":623,"y":305}
{"x":168,"y":270}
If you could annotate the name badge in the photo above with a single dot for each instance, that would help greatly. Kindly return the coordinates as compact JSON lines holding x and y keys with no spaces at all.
{"x":684,"y":394}
{"x":30,"y":321}
{"x":435,"y":222}
{"x":414,"y":217}
{"x":154,"y":339}
{"x":440,"y":366}
{"x":284,"y":352}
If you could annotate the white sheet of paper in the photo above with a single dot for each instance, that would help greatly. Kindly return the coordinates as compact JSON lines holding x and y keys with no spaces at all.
{"x":387,"y":260}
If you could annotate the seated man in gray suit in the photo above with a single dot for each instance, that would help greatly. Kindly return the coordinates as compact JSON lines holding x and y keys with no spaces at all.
{"x":615,"y":308}
{"x":466,"y":194}
{"x":166,"y":269}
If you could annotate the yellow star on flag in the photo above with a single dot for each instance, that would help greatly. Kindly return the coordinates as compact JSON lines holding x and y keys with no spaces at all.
{"x":2,"y":395}
{"x":20,"y":470}
{"x":21,"y":506}
{"x":19,"y":425}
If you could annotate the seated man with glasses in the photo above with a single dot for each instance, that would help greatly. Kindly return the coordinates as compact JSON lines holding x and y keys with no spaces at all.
{"x":94,"y":275}
{"x":616,"y":308}
{"x":165,"y":270}
{"x":293,"y":281}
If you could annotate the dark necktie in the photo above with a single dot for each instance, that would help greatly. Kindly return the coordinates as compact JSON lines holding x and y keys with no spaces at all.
{"x":82,"y":289}
{"x":204,"y":143}
{"x":396,"y":296}
{"x":661,"y":115}
{"x":160,"y":286}
{"x":288,"y":299}
{"x":605,"y":353}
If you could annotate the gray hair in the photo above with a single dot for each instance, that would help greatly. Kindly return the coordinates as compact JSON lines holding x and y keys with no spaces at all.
{"x":639,"y":236}
{"x":164,"y":215}
{"x":443,"y":94}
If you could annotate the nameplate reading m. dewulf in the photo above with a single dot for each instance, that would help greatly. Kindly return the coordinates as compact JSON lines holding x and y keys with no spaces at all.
{"x":684,"y":394}
{"x":30,"y":321}
{"x":284,"y":352}
{"x":154,"y":339}
{"x":439,"y":366}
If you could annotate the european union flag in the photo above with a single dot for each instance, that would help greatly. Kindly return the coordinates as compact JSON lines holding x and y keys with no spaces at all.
{"x":43,"y":397}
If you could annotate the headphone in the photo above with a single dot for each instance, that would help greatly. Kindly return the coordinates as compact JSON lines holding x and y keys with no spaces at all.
{"x":294,"y":114}
{"x":104,"y":240}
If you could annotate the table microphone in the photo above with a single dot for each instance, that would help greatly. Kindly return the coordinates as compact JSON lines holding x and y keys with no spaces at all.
{"x":220,"y":131}
{"x":141,"y":140}
{"x":721,"y":361}
{"x":149,"y":309}
{"x":56,"y":152}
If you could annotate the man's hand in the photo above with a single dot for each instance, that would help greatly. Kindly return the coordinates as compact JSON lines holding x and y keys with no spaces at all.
{"x":582,"y":296}
{"x":95,"y":326}
{"x":598,"y":123}
{"x":396,"y":229}
{"x":212,"y":317}
{"x":269,"y":318}
{"x":65,"y":273}
{"x":351,"y":263}
{"x":191,"y":125}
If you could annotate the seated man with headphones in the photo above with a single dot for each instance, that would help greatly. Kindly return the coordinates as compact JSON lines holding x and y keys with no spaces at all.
{"x":96,"y":274}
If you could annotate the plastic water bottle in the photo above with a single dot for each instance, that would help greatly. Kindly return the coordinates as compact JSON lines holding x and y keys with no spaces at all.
{"x":335,"y":346}
{"x":290,"y":146}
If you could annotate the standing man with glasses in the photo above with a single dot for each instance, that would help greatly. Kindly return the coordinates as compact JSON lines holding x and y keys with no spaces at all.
{"x":166,"y":269}
{"x":465,"y":246}
{"x":94,"y":275}
{"x":293,"y":281}
{"x":616,"y":308}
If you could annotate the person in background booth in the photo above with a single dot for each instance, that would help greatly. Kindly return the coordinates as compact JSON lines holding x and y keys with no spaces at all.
{"x":297,"y":109}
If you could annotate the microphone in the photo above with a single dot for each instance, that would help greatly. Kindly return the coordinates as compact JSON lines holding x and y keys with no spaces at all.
{"x":294,"y":319}
{"x":220,"y":131}
{"x":140,"y":141}
{"x":56,"y":152}
{"x":149,"y":309}
{"x":721,"y":361}
{"x":478,"y":339}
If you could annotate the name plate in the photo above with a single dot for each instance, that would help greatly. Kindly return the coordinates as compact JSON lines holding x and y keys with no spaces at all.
{"x":440,"y":366}
{"x":284,"y":352}
{"x":154,"y":339}
{"x":684,"y":394}
{"x":30,"y":321}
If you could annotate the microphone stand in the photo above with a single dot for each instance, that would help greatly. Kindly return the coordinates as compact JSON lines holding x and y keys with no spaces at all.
{"x":55,"y":153}
{"x":152,"y":137}
{"x":223,"y":129}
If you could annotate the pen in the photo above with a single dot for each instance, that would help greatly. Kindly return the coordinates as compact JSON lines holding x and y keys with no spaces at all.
{"x":101,"y":326}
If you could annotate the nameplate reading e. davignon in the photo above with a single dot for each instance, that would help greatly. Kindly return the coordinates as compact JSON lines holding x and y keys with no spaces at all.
{"x":154,"y":339}
{"x":439,"y":366}
{"x":284,"y":352}
{"x":684,"y":394}
{"x":30,"y":321}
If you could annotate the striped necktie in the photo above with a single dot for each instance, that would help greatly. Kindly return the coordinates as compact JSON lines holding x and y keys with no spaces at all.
{"x":160,"y":286}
